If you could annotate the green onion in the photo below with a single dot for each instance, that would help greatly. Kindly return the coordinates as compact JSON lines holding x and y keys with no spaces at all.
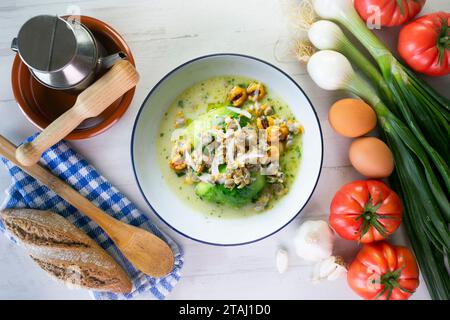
{"x":327,"y":35}
{"x":422,"y":108}
{"x":426,"y":204}
{"x":431,"y":264}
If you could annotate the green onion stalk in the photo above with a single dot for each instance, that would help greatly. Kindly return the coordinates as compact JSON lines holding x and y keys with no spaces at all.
{"x":326,"y":35}
{"x":414,"y":176}
{"x":431,"y":261}
{"x":426,"y":112}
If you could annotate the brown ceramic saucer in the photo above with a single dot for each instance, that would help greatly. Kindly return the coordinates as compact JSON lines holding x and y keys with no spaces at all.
{"x":42,"y":105}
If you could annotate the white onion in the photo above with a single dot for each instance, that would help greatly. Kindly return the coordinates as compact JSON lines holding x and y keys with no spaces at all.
{"x":332,"y":9}
{"x":330,"y":70}
{"x":325,"y":35}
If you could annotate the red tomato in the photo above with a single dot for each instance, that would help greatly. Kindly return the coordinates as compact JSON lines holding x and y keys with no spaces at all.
{"x":365,"y":211}
{"x":385,"y":272}
{"x":425,"y":44}
{"x":393,"y":12}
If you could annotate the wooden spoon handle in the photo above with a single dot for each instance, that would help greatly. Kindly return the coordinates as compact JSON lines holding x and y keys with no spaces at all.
{"x":144,"y":250}
{"x":90,"y":103}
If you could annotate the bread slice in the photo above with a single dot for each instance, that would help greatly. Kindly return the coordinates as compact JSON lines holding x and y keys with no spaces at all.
{"x":64,"y":251}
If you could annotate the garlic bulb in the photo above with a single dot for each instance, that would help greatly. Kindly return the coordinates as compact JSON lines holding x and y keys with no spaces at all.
{"x":282,"y":260}
{"x":331,"y":268}
{"x":314,"y":241}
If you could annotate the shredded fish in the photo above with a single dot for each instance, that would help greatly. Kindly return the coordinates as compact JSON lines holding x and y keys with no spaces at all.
{"x":189,"y":161}
{"x":206,"y":178}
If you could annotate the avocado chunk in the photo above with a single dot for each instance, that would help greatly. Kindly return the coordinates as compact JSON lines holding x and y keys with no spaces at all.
{"x":215,"y":117}
{"x":234,"y":197}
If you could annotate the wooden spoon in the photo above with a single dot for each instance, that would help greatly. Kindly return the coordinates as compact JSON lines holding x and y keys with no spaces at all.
{"x":144,"y":250}
{"x":90,"y":103}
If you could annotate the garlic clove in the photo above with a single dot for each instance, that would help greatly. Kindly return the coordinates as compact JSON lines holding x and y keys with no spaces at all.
{"x":331,"y":269}
{"x":339,"y":273}
{"x":282,"y":261}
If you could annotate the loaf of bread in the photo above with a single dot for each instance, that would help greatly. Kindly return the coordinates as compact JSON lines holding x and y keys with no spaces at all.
{"x":64,"y":251}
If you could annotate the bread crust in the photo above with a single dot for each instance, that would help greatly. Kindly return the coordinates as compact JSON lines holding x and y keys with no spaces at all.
{"x":65,"y":252}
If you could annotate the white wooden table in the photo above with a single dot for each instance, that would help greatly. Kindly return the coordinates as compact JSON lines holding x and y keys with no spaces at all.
{"x":163,"y":34}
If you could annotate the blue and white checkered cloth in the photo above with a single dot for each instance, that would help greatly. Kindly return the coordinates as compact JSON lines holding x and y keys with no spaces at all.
{"x":26,"y":192}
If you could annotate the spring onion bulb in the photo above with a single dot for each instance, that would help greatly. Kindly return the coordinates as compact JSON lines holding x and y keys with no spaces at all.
{"x":344,"y":12}
{"x":339,"y":72}
{"x":332,"y":9}
{"x":327,"y":35}
{"x":427,"y":207}
{"x":331,"y":70}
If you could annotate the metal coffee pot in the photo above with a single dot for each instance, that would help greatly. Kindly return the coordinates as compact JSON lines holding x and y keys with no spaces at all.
{"x":61,"y":54}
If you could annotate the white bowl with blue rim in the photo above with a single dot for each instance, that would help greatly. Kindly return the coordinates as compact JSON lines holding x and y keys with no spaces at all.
{"x":174,"y":211}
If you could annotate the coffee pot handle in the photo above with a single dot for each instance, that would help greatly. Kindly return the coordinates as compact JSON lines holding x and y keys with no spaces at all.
{"x":108,"y":61}
{"x":14,"y":45}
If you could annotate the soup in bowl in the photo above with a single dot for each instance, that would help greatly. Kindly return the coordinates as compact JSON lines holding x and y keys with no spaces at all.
{"x":227,"y":149}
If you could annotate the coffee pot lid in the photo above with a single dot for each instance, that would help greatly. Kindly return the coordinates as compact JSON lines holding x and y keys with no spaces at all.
{"x":46,"y":43}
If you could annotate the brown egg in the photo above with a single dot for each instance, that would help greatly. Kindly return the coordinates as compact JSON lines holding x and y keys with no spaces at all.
{"x":352,"y":117}
{"x":371,"y":157}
